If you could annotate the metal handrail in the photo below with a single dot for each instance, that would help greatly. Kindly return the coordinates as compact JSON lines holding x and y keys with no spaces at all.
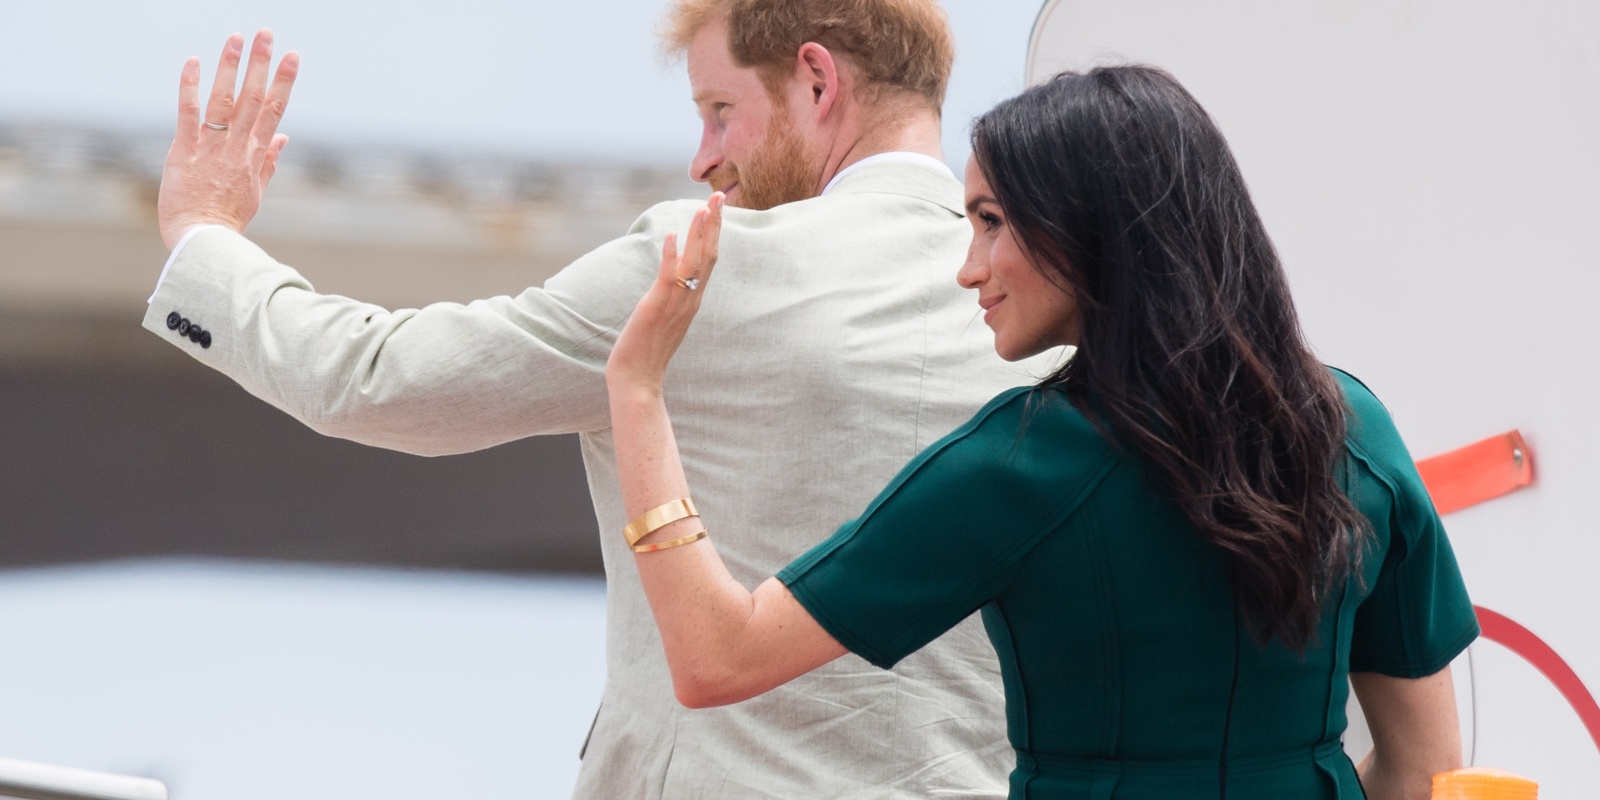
{"x":27,"y":781}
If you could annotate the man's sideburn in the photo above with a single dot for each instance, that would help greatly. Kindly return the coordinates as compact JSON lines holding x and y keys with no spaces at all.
{"x":780,"y":170}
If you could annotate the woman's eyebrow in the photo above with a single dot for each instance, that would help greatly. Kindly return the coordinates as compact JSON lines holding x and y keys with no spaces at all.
{"x":972,"y":205}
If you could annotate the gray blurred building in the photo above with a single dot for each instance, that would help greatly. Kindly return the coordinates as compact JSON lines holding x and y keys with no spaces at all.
{"x":118,"y":445}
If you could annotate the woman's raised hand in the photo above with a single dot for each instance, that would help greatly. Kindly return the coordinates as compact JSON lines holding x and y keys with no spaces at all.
{"x":639,"y":359}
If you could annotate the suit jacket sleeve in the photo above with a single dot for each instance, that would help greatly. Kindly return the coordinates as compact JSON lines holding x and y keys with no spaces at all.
{"x":445,"y":378}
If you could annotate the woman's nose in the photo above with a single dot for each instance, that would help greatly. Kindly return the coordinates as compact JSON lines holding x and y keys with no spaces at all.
{"x":972,"y":273}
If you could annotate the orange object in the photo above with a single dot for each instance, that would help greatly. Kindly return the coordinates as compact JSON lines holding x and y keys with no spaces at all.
{"x":1482,"y":783}
{"x":1477,"y":472}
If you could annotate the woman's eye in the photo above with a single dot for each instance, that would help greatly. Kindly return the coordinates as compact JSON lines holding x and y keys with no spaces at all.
{"x":990,"y":221}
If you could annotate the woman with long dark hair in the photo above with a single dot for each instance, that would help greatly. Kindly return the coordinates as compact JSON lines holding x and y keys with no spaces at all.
{"x":1182,"y":542}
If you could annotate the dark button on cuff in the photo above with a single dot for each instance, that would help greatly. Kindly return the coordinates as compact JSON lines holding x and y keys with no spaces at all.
{"x":172,"y":320}
{"x":183,"y":327}
{"x":194,"y":333}
{"x":205,"y":339}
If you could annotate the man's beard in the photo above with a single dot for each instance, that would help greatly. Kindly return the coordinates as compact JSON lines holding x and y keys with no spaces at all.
{"x":778,"y":172}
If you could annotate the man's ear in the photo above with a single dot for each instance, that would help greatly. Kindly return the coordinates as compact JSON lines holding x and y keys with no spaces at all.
{"x":816,"y":69}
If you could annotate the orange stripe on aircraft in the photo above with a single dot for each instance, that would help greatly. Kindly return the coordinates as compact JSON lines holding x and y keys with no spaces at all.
{"x":1477,"y":472}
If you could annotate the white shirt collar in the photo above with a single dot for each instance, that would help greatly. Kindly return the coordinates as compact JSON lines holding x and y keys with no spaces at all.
{"x":892,"y":156}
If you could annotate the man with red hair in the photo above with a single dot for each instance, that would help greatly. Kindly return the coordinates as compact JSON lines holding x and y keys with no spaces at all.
{"x":836,"y":345}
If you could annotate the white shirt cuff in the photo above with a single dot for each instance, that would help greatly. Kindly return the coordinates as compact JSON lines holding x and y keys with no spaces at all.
{"x":187,"y":235}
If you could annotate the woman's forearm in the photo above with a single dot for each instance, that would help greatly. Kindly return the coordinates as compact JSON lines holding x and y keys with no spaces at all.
{"x":1415,"y":733}
{"x":723,"y":643}
{"x":698,"y":606}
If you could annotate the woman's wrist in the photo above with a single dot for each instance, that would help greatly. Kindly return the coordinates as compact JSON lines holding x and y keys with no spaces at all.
{"x":633,"y":389}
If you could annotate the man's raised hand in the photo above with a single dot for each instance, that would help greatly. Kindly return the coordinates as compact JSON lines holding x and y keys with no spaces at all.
{"x":223,"y":155}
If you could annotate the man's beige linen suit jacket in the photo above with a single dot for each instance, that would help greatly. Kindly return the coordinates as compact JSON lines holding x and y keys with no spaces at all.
{"x":832,"y":346}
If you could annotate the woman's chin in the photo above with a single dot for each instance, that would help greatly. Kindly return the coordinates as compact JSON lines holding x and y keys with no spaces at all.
{"x":1010,"y":353}
{"x":1017,"y":351}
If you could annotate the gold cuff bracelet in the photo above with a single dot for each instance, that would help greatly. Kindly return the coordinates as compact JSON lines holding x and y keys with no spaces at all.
{"x":658,"y":517}
{"x":671,"y":543}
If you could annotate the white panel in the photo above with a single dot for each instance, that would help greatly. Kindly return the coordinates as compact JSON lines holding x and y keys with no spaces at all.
{"x":1526,"y":726}
{"x":1430,"y":171}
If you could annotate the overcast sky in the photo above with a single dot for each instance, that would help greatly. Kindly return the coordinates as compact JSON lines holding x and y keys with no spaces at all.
{"x":543,"y":79}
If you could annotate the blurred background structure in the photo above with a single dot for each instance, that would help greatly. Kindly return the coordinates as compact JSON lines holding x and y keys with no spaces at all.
{"x":125,"y":433}
{"x":126,"y":458}
{"x":195,"y":587}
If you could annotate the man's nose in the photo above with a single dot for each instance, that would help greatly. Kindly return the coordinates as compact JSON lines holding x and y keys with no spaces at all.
{"x":706,"y":159}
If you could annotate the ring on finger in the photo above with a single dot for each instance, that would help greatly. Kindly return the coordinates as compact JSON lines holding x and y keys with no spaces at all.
{"x":213,"y":126}
{"x":688,"y":283}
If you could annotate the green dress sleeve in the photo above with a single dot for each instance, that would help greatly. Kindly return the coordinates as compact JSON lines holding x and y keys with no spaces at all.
{"x":945,"y":536}
{"x":1416,"y":617}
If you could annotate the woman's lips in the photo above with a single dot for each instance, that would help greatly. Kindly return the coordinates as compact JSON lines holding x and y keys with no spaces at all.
{"x":989,"y":305}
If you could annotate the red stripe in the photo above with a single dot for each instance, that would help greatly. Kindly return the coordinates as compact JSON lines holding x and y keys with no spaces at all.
{"x":1499,"y":628}
{"x":1480,"y":471}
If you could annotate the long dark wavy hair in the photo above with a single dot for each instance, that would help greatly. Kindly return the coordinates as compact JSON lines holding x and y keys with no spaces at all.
{"x":1122,"y":191}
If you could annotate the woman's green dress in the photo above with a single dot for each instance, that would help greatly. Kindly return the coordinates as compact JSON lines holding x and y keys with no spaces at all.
{"x":1128,"y":671}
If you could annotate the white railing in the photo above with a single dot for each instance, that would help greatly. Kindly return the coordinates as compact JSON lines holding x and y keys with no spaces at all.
{"x":25,"y":781}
